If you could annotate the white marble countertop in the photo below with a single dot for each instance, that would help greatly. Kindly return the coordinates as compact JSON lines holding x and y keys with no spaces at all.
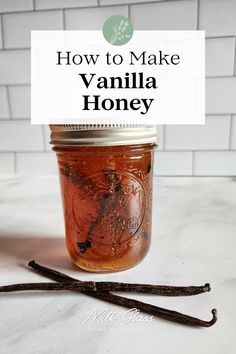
{"x":194,"y":242}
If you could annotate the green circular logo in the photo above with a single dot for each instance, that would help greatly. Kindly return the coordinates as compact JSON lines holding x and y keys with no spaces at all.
{"x":118,"y":30}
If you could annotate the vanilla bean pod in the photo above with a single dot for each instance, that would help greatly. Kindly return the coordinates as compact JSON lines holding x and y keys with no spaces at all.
{"x":163,"y":290}
{"x":107,"y":286}
{"x":166,"y":314}
{"x":46,"y":287}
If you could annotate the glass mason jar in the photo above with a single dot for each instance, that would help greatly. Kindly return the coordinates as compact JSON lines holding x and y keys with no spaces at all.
{"x":106,"y":177}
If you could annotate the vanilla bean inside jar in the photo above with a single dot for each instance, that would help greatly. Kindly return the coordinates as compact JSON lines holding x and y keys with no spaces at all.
{"x":106,"y":174}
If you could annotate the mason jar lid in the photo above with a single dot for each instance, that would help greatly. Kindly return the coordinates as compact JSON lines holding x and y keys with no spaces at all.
{"x":102,"y":134}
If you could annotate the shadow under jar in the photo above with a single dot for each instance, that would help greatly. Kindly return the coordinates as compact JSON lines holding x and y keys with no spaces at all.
{"x":106,"y":175}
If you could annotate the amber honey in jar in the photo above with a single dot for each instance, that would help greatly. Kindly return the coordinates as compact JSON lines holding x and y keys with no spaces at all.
{"x":106,"y":177}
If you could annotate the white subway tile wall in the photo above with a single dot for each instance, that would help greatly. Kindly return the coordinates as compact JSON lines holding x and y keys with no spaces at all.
{"x":17,"y":26}
{"x":214,"y":135}
{"x":208,"y":150}
{"x":221,"y":95}
{"x":173,"y":163}
{"x":215,"y":163}
{"x":36,"y":163}
{"x":20,"y":136}
{"x":7,"y":163}
{"x":174,"y":15}
{"x":220,"y":56}
{"x":15,"y":67}
{"x":15,"y":5}
{"x":217,"y":17}
{"x":19,"y":101}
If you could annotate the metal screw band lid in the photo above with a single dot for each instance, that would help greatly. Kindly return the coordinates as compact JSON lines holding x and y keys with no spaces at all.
{"x":102,"y":134}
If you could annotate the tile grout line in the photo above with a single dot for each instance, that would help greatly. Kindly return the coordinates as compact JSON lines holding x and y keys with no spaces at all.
{"x":27,"y":119}
{"x":20,"y":119}
{"x":219,"y":114}
{"x":164,"y":138}
{"x":221,"y":37}
{"x":234,"y":69}
{"x":15,"y":163}
{"x":14,"y":49}
{"x":2,"y":32}
{"x":14,"y":85}
{"x":231,"y":132}
{"x":9,"y":102}
{"x":142,"y":3}
{"x":198,"y":14}
{"x":64,"y":19}
{"x":220,"y":77}
{"x":6,"y":49}
{"x":168,"y":0}
{"x":15,"y":120}
{"x":193,"y":163}
{"x":34,"y":7}
{"x":44,"y":140}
